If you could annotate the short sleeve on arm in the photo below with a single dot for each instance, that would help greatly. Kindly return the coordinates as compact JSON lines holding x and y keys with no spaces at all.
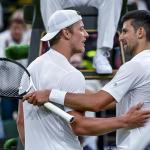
{"x":125,"y":80}
{"x":73,"y":82}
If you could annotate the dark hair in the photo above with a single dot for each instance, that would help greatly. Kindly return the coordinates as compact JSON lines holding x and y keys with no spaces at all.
{"x":139,"y":18}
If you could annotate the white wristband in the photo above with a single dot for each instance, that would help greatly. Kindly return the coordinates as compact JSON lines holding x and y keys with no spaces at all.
{"x":57,"y":96}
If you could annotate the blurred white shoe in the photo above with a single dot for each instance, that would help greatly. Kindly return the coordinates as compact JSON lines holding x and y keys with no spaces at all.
{"x":101,"y":63}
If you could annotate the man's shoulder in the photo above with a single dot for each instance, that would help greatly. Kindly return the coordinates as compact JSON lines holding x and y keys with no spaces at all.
{"x":132,"y":64}
{"x":131,"y":68}
{"x":35,"y":64}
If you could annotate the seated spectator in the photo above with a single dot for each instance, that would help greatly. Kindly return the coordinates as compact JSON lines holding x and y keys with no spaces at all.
{"x":16,"y":34}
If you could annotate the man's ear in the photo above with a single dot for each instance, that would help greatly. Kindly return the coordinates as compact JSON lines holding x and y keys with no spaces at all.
{"x":140,"y":33}
{"x":66,"y":34}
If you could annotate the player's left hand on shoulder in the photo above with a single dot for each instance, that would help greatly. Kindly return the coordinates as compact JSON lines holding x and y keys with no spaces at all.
{"x":37,"y":97}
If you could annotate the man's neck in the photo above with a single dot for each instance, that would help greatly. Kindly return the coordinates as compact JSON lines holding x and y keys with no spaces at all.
{"x":64,"y":51}
{"x":142,"y":48}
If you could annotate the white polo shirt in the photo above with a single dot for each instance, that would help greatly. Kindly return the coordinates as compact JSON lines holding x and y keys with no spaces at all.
{"x":131,"y":85}
{"x":43,"y":129}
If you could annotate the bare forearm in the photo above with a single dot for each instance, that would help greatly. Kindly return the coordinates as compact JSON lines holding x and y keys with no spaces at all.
{"x":91,"y":102}
{"x":98,"y":126}
{"x":81,"y":102}
{"x":95,"y":126}
{"x":20,"y":122}
{"x":21,"y":133}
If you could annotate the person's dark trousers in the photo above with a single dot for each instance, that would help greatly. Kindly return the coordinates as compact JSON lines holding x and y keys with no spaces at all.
{"x":86,"y":147}
{"x":8,"y":106}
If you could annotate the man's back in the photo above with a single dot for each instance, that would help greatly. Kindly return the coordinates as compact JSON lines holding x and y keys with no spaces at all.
{"x":43,"y":129}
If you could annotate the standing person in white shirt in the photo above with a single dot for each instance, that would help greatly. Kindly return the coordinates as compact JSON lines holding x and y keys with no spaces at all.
{"x":45,"y":130}
{"x":130,"y":85}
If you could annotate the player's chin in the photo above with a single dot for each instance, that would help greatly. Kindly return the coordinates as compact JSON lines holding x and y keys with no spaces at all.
{"x":80,"y":50}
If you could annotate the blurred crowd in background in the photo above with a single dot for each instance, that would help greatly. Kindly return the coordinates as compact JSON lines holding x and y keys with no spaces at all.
{"x":13,"y":32}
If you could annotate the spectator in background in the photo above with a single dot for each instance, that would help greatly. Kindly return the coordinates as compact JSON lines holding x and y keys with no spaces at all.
{"x":108,"y":17}
{"x":16,"y":34}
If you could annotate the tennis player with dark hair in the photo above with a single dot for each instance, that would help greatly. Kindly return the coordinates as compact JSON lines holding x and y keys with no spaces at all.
{"x":130,"y":85}
{"x":44,"y":130}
